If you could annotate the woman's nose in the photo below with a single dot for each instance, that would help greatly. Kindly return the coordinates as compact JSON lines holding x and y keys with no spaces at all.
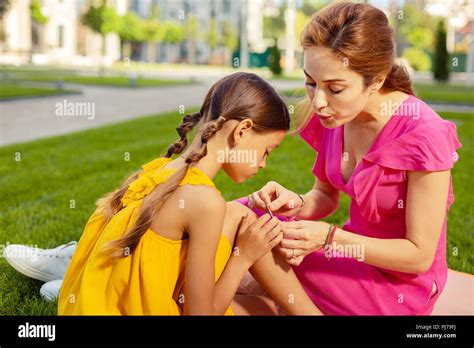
{"x":319,"y":101}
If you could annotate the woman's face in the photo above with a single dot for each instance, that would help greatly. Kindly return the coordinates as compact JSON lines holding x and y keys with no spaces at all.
{"x":337,"y":93}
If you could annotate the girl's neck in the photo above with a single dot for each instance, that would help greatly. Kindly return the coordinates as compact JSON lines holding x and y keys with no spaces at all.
{"x":208,"y":164}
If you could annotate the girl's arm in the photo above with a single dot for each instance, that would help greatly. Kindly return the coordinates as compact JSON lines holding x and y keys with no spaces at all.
{"x":205,"y":212}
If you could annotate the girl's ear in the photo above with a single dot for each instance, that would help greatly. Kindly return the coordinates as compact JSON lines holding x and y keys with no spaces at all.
{"x":242,"y":129}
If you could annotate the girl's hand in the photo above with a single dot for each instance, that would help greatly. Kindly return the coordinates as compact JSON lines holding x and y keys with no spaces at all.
{"x":301,"y":238}
{"x":280,"y":200}
{"x":255,"y":239}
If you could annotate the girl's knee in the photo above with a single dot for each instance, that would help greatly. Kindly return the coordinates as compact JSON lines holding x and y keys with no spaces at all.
{"x":233,"y":216}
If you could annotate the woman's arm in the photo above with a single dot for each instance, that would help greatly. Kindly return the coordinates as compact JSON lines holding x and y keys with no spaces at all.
{"x":321,"y":201}
{"x":425,"y":213}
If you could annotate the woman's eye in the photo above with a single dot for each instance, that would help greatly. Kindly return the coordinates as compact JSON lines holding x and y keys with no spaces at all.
{"x":267,"y":153}
{"x":313,"y":84}
{"x":337,"y":91}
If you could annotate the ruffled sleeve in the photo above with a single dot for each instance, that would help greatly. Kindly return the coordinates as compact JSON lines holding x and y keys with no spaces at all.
{"x":153,"y":175}
{"x":313,"y":132}
{"x":431,"y":146}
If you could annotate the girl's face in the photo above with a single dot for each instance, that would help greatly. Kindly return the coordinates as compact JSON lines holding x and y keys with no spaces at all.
{"x":337,"y":93}
{"x":248,"y":150}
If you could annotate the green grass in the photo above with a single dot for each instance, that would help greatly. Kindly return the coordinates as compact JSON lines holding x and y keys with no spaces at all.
{"x":438,"y":93}
{"x":37,"y":190}
{"x":13,"y":90}
{"x":115,"y":81}
{"x":446,"y":93}
{"x":88,"y":78}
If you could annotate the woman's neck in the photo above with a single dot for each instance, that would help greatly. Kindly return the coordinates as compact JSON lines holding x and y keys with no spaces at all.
{"x":379,"y":110}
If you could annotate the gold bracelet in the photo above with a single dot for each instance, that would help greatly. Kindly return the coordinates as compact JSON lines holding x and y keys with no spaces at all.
{"x":299,"y":210}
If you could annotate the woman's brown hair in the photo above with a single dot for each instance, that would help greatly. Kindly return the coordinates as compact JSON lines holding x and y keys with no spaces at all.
{"x":238,"y":96}
{"x":360,"y":35}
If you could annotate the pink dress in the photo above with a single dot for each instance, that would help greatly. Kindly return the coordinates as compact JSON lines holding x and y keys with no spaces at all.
{"x":415,"y":138}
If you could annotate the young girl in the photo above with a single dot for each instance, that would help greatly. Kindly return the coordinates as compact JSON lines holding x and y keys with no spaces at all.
{"x":166,"y":242}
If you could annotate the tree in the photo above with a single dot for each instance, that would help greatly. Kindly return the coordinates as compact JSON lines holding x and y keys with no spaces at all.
{"x":4,"y":7}
{"x":311,"y":7}
{"x":38,"y":20}
{"x":441,"y":56}
{"x":102,"y":20}
{"x":275,"y":26}
{"x":174,"y":34}
{"x":414,"y":29}
{"x":153,"y":32}
{"x":36,"y":13}
{"x":192,"y":33}
{"x":229,"y":39}
{"x":274,"y":59}
{"x":131,"y":30}
{"x":212,"y":36}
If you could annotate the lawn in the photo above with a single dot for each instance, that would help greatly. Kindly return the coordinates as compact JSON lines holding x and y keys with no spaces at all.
{"x":89,"y":78}
{"x":49,"y":194}
{"x":13,"y":90}
{"x":439,"y":93}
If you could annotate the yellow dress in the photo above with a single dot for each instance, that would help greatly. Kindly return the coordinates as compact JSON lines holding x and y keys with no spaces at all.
{"x":148,"y":280}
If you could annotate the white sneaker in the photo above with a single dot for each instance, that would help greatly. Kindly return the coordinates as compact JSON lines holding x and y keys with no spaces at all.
{"x":41,"y":264}
{"x":50,"y":290}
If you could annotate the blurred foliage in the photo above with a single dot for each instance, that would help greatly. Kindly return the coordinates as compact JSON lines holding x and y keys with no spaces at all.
{"x":36,"y":13}
{"x":418,"y":59}
{"x":441,"y":56}
{"x":101,"y":19}
{"x":274,"y":59}
{"x":415,"y":29}
{"x":130,"y":28}
{"x":174,"y":33}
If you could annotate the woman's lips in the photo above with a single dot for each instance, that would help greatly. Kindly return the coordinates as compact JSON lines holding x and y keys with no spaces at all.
{"x":324,"y":117}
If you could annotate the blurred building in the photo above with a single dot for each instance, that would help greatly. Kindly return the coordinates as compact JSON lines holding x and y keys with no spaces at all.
{"x":64,"y":40}
{"x":244,"y":16}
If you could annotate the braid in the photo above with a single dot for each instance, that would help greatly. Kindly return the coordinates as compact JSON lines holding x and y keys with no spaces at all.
{"x":155,"y":199}
{"x":187,"y":125}
{"x":210,"y":128}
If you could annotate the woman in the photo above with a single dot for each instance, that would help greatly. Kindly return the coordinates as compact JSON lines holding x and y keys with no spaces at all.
{"x":389,"y":152}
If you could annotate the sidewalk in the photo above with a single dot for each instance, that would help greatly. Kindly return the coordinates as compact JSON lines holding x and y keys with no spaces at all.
{"x":28,"y":119}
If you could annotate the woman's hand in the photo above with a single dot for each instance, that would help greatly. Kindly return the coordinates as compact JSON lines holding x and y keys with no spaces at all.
{"x":280,"y":200}
{"x":255,"y":239}
{"x":301,"y":238}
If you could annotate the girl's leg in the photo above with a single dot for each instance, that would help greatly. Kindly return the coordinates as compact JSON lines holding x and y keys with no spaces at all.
{"x":272,"y":271}
{"x":253,"y":305}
